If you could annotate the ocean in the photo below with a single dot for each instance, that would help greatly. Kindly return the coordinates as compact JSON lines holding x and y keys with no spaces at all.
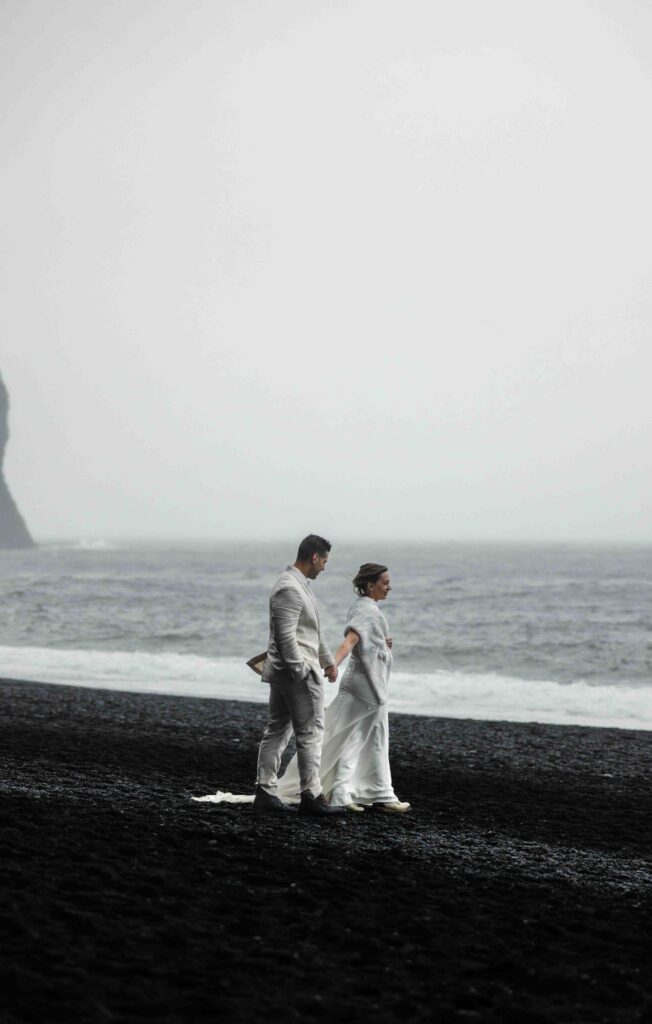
{"x":498,"y":632}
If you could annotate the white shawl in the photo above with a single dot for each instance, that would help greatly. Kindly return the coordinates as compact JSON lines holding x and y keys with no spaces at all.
{"x":367,"y":675}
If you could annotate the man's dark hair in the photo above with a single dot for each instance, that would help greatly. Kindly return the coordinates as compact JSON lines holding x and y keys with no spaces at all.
{"x":312,"y":545}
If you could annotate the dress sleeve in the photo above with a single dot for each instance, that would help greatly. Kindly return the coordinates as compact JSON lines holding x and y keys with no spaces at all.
{"x":358,"y":621}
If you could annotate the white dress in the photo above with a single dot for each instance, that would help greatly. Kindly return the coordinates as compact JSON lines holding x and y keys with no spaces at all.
{"x":355,"y":749}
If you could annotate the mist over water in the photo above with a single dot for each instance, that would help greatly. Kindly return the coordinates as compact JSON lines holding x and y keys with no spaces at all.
{"x":558,"y":634}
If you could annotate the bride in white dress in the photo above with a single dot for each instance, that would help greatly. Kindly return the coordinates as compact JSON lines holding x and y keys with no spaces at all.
{"x":355,"y":770}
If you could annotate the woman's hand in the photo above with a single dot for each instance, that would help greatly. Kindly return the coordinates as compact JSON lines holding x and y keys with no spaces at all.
{"x":331,"y":673}
{"x":390,"y":641}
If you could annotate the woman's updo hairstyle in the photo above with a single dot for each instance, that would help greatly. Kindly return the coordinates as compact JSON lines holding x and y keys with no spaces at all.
{"x":370,"y":572}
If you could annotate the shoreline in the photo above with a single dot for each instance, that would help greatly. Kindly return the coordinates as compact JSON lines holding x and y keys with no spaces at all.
{"x":519,"y":886}
{"x":247,"y":699}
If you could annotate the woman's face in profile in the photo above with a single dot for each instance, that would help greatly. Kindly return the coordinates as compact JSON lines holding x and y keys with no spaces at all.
{"x":379,"y":590}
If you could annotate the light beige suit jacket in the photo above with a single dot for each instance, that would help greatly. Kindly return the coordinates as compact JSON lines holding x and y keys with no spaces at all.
{"x":296,"y":645}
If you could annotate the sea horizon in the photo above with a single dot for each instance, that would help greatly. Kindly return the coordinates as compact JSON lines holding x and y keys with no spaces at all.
{"x":167,"y":540}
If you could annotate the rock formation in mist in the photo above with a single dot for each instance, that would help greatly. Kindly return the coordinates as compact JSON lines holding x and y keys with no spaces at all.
{"x":13,"y":532}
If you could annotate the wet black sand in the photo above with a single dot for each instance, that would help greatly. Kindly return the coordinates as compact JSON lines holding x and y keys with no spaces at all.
{"x":518,"y":889}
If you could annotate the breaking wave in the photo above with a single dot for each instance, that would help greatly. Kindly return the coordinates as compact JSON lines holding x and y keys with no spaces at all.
{"x":440,"y":693}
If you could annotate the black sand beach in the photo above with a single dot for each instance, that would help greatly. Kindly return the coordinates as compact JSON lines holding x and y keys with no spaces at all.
{"x":519,"y":888}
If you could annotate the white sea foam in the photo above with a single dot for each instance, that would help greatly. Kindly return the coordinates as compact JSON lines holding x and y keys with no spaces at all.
{"x":94,"y":545}
{"x":182,"y":674}
{"x":67,"y":546}
{"x":500,"y":698}
{"x":440,"y":693}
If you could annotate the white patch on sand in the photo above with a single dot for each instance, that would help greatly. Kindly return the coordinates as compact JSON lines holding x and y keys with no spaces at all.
{"x":224,"y":798}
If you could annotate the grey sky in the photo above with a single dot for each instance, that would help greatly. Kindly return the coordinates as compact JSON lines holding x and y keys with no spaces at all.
{"x":370,"y":268}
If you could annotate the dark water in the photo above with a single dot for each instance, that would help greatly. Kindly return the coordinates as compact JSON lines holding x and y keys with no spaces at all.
{"x":463,"y":616}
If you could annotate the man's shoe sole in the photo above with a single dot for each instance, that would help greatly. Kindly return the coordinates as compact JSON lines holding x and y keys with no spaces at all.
{"x":274,"y":812}
{"x":332,"y":812}
{"x":284,"y":809}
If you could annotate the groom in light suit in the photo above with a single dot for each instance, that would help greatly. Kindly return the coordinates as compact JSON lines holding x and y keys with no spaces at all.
{"x":296,"y":655}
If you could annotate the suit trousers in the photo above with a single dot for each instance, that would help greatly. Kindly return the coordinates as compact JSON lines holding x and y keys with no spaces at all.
{"x":299,"y":706}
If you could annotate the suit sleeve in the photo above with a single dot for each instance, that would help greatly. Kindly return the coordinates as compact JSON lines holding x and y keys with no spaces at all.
{"x":325,"y":656}
{"x":286,"y":607}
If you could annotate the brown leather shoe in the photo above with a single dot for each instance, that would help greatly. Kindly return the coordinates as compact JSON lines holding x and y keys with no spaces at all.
{"x":265,"y":803}
{"x":317,"y":806}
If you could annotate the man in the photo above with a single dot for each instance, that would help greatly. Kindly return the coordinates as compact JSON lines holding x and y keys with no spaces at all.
{"x":296,"y":655}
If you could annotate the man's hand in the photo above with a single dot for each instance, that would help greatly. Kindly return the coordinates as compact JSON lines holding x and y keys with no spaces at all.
{"x":390,"y":642}
{"x":331,"y":673}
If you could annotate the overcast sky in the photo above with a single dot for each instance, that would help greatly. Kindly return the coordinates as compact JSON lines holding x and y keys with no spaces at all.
{"x":366,"y":267}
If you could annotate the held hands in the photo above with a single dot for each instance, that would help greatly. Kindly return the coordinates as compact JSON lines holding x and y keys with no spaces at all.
{"x":331,"y":673}
{"x":390,"y":642}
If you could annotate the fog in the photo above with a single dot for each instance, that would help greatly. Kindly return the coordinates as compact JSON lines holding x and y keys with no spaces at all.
{"x":367,"y":268}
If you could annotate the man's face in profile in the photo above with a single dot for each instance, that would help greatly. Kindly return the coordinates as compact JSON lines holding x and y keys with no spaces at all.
{"x":318,"y":565}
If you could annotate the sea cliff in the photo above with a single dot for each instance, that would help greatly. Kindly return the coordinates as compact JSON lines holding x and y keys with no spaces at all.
{"x":13,"y":531}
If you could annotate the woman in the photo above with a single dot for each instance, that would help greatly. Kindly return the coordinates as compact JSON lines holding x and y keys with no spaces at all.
{"x":355,"y":769}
